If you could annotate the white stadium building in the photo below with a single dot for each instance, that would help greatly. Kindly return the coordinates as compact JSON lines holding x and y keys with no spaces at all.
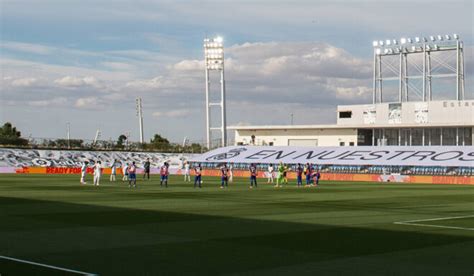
{"x":433,"y":123}
{"x":405,"y":111}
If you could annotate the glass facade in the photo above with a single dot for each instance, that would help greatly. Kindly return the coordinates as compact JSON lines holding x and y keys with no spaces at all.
{"x":449,"y":136}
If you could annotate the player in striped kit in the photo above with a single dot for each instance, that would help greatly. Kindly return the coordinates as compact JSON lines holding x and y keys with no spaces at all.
{"x":253,"y":175}
{"x":164,"y":173}
{"x":132,"y":177}
{"x":197,"y":175}
{"x":224,"y":176}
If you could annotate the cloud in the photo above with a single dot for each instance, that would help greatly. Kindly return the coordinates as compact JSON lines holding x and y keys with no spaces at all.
{"x":119,"y":66}
{"x":189,"y":65}
{"x":177,"y":113}
{"x":146,"y":84}
{"x":89,"y":103}
{"x":27,"y":47}
{"x":24,"y":82}
{"x":297,"y":58}
{"x":75,"y":82}
{"x":55,"y":102}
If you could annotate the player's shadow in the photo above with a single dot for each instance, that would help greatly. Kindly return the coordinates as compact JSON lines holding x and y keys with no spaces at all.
{"x":111,"y":241}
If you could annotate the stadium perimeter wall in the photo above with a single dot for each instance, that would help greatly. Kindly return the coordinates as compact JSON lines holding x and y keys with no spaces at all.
{"x":70,"y":162}
{"x":51,"y":162}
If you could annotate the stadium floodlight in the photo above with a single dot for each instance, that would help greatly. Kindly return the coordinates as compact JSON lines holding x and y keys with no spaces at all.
{"x":214,"y":53}
{"x":375,"y":43}
{"x":423,"y":47}
{"x":214,"y":60}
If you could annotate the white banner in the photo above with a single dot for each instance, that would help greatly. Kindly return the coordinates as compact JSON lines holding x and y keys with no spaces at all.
{"x":74,"y":158}
{"x":446,"y":156}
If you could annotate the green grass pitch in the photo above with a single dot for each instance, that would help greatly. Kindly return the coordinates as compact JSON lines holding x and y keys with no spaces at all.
{"x":336,"y":229}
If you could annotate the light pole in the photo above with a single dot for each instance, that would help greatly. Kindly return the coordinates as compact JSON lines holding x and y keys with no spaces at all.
{"x":68,"y":135}
{"x":214,"y":60}
{"x":140,"y":118}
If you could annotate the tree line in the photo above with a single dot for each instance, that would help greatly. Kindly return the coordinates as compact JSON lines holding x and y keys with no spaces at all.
{"x":11,"y":137}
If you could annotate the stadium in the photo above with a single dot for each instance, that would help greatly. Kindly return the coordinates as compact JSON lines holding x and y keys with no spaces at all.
{"x":388,"y":189}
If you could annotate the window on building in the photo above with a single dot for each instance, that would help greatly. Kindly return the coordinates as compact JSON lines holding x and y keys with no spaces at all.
{"x":391,"y":136}
{"x":345,"y":114}
{"x":417,"y":137}
{"x":342,"y":144}
{"x":364,"y":137}
{"x":405,"y":137}
{"x":449,"y":136}
{"x":270,"y":143}
{"x":468,"y":137}
{"x":351,"y":144}
{"x":434,"y":137}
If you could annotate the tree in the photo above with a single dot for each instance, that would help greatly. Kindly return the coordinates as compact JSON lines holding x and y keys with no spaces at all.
{"x":121,"y":140}
{"x":197,"y":148}
{"x":9,"y":135}
{"x":159,"y":142}
{"x":73,"y":143}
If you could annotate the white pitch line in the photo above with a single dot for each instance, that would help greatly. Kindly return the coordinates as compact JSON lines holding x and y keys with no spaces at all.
{"x":411,"y":222}
{"x":444,"y":218}
{"x":48,"y":266}
{"x":433,"y":225}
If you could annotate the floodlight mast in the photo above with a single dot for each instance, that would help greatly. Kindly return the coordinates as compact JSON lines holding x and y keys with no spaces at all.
{"x":214,"y":61}
{"x":418,"y":45}
{"x":140,"y":118}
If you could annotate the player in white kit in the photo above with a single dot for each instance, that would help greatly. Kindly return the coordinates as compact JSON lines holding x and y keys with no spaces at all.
{"x":125,"y":171}
{"x":270,"y":173}
{"x":231,"y":173}
{"x":97,"y":173}
{"x":187,"y":173}
{"x":83,"y":172}
{"x":113,"y":169}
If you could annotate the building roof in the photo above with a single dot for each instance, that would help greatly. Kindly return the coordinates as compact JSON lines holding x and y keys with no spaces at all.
{"x":335,"y":126}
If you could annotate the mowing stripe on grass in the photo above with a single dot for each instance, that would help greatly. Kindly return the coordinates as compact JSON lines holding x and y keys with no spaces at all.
{"x":47,"y":266}
{"x":413,"y":222}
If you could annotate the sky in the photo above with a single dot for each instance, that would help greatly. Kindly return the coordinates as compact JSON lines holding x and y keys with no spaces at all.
{"x":85,"y":62}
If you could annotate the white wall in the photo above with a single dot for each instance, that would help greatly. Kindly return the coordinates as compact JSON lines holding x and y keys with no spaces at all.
{"x":459,"y":113}
{"x":280,"y":137}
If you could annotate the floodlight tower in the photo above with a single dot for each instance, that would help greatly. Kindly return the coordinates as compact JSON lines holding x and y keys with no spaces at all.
{"x":419,"y":45}
{"x":214,"y":59}
{"x":140,"y":118}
